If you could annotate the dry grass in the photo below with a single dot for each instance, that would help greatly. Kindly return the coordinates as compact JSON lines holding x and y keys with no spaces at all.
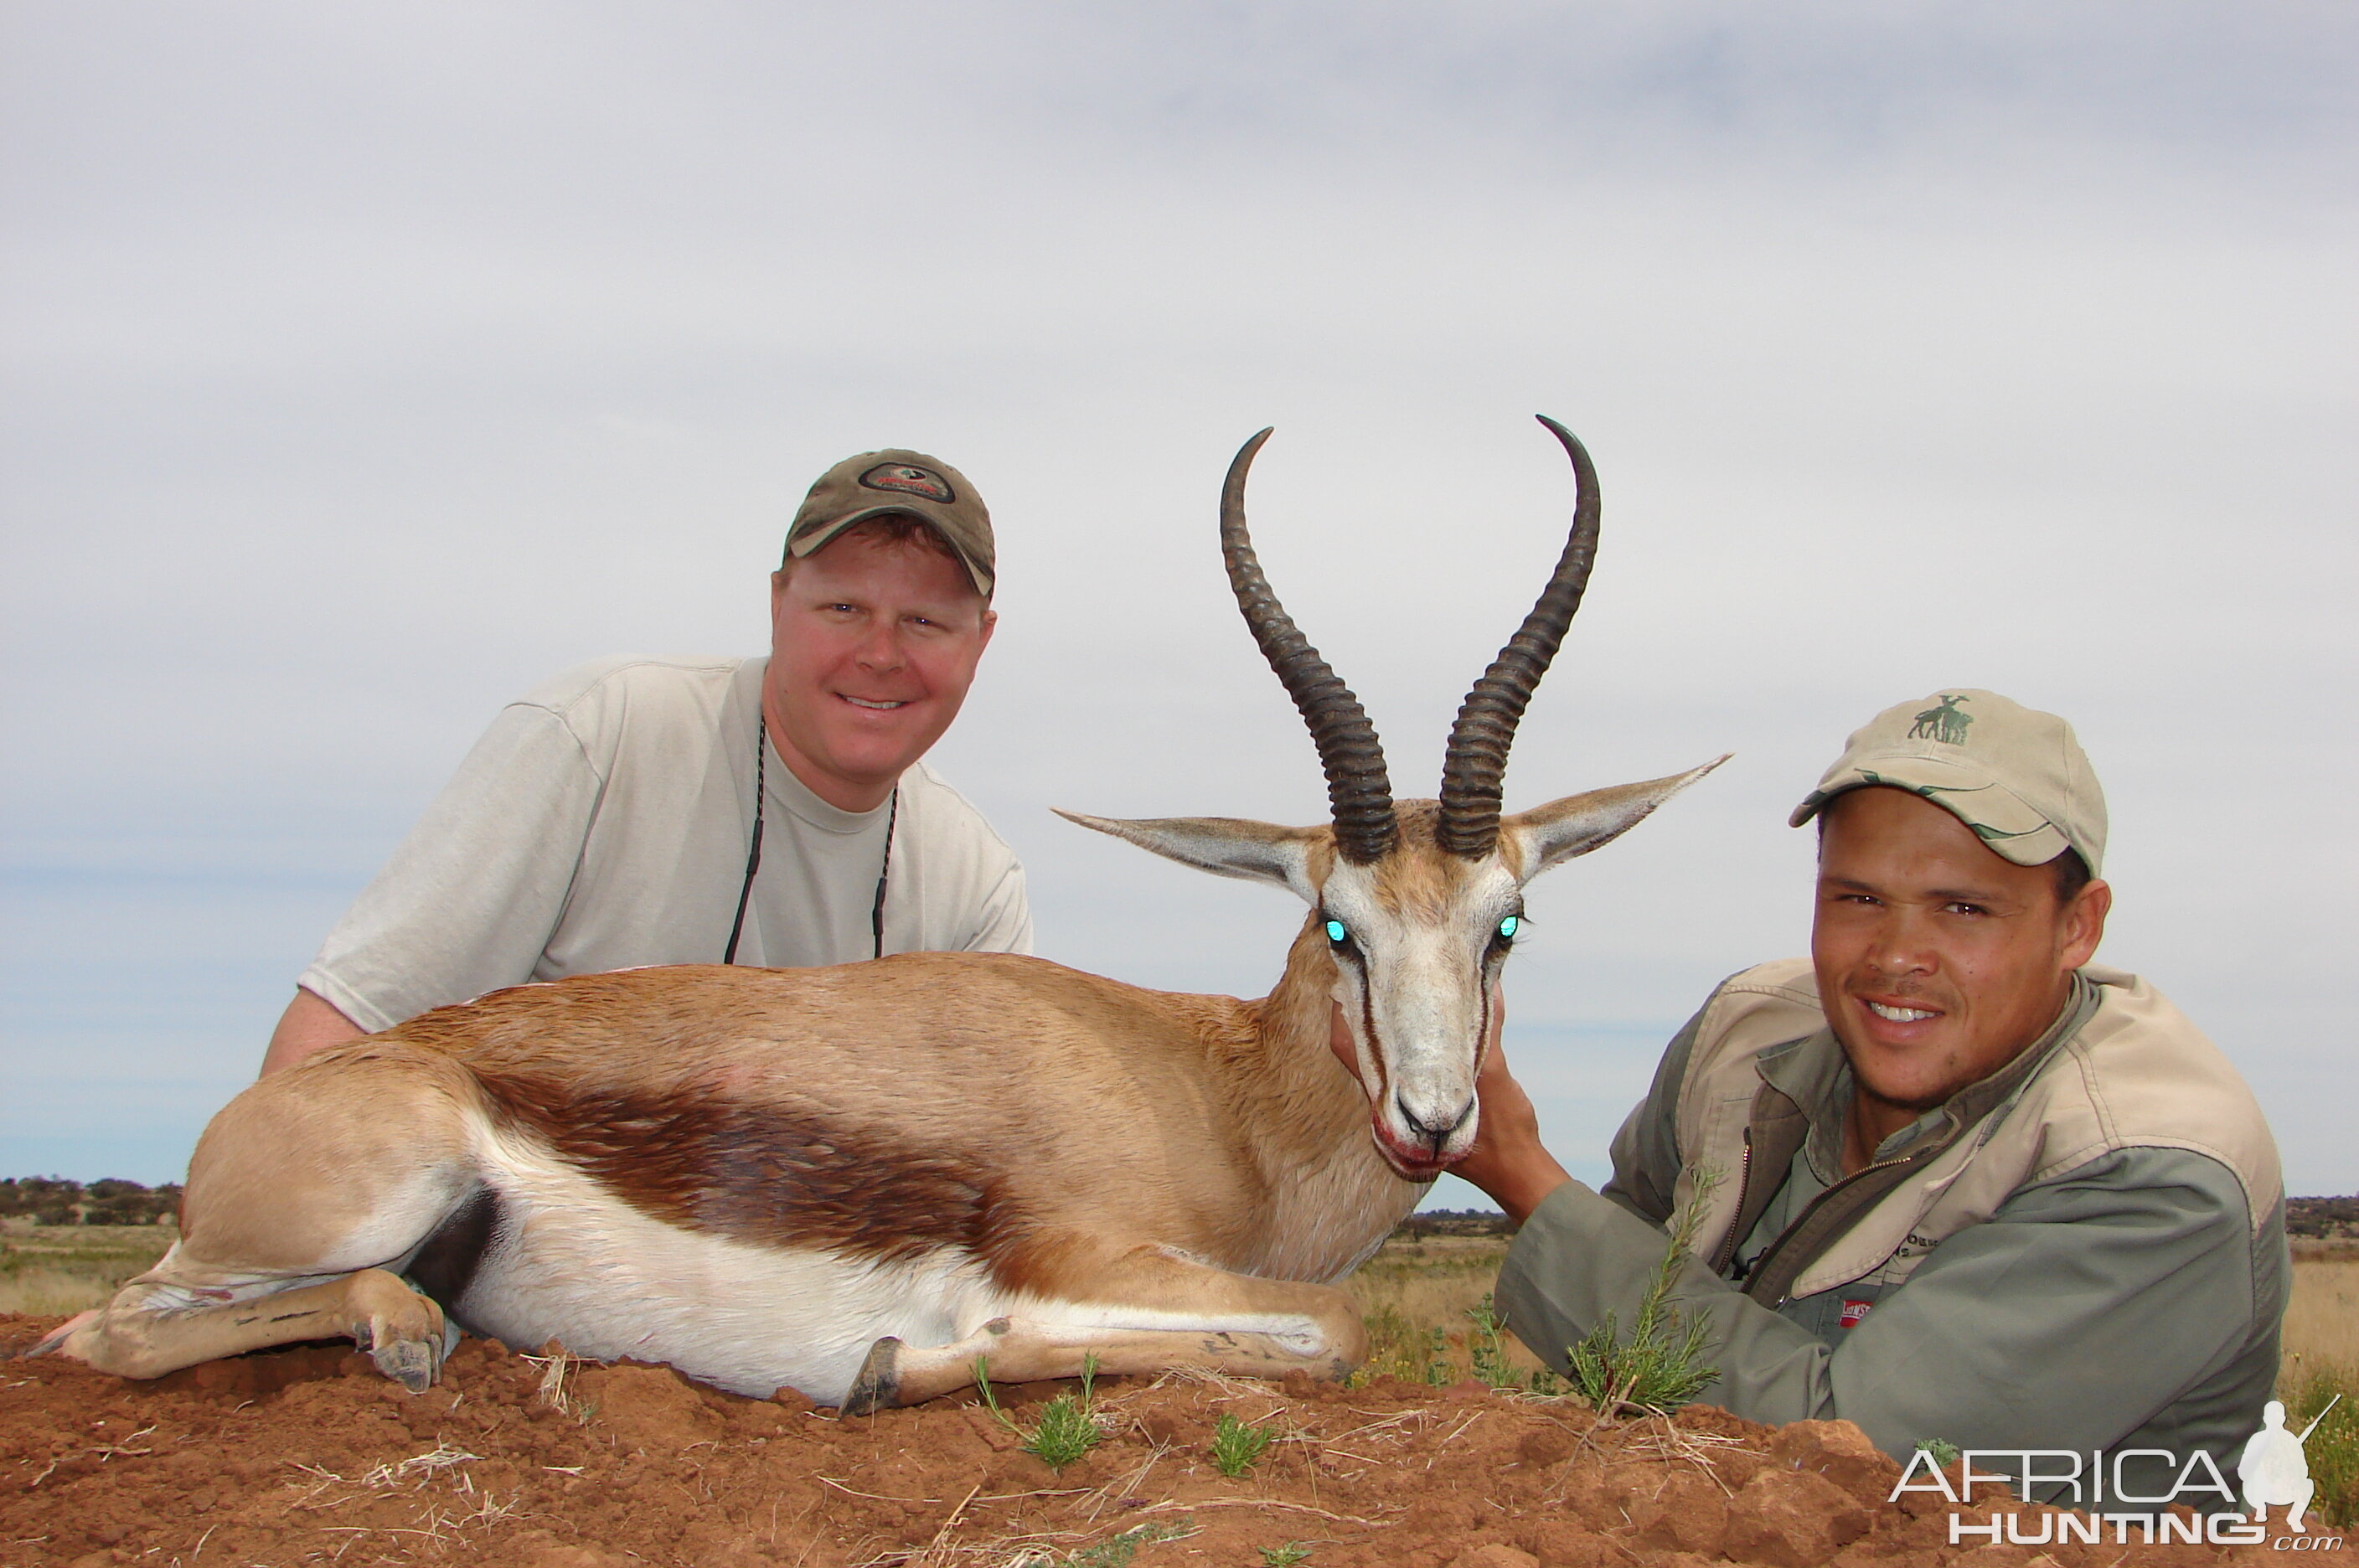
{"x":2322,"y":1359}
{"x":1414,"y":1297}
{"x":2322,"y":1321}
{"x":64,"y":1269}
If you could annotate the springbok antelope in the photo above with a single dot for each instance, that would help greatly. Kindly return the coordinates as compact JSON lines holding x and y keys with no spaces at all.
{"x":853,"y":1180}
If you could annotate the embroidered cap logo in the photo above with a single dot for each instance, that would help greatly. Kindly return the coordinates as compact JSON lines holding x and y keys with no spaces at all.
{"x":909,"y":480}
{"x":1946,"y":723}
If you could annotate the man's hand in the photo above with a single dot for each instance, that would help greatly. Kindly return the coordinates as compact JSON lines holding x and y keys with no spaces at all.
{"x":1507,"y":1161}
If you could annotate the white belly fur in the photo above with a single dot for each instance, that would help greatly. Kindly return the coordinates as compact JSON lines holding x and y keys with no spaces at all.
{"x":580,"y":1265}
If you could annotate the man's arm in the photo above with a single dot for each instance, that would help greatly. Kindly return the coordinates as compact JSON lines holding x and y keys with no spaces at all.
{"x":469,"y":900}
{"x":2067,"y":1320}
{"x":309,"y":1023}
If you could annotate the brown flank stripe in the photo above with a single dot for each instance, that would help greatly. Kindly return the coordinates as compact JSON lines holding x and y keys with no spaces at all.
{"x":760,"y":1174}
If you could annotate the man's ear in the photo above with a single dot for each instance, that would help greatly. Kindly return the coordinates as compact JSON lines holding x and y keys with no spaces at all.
{"x":1578,"y":823}
{"x":2084,"y":922}
{"x":989,"y":624}
{"x":1225,"y":846}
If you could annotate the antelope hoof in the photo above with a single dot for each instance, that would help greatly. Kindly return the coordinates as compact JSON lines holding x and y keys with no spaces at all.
{"x":409,"y":1362}
{"x":56,"y":1342}
{"x":403,"y":1331}
{"x":878,"y":1385}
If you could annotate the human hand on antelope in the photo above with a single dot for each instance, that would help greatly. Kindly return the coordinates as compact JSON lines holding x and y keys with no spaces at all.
{"x":1506,"y":1161}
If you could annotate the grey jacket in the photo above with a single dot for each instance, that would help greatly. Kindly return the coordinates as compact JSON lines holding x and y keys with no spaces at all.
{"x":2086,"y":1250}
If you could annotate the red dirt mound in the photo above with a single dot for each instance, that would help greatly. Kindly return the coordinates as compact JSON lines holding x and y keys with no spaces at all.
{"x":307,"y":1455}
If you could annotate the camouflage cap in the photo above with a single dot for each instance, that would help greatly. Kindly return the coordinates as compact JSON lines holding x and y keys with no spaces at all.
{"x":2016,"y":776}
{"x":909,"y":483}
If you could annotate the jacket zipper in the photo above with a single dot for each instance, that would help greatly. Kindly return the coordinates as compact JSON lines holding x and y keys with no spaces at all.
{"x":1726,"y":1252}
{"x":1775,"y":1247}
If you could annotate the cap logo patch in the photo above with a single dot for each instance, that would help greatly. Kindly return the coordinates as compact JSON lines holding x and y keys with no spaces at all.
{"x":1944,"y":725}
{"x":907,"y":479}
{"x":1853,"y":1312}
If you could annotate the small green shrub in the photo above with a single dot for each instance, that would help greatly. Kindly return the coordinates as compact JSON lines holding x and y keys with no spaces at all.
{"x":1944,"y":1453}
{"x":1068,"y":1428}
{"x":1659,"y":1367}
{"x":1438,"y":1372}
{"x":1487,"y":1347}
{"x":1284,"y":1557}
{"x":1236,"y":1446}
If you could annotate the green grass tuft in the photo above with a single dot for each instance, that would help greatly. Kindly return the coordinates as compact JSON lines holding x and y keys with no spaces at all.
{"x":1236,"y":1446}
{"x":1284,"y":1557}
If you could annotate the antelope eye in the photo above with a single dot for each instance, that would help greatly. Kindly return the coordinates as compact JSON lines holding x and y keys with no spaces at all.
{"x":1336,"y":933}
{"x":1509,"y":927}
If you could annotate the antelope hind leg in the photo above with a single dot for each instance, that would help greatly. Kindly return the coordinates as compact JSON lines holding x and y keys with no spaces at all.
{"x":150,"y":1329}
{"x":303,"y":1191}
{"x":1146,"y":1313}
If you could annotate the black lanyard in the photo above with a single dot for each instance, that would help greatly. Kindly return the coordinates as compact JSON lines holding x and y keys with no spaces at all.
{"x":754,"y":852}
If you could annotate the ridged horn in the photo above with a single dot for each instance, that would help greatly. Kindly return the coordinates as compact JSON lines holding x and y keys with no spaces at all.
{"x":1477,"y":758}
{"x":1358,"y":791}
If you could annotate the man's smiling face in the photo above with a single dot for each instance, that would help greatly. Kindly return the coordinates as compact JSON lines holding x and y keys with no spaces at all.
{"x":873,"y":643}
{"x":1939,"y":961}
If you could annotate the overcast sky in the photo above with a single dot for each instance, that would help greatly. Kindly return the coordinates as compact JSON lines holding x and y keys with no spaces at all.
{"x":368,"y":364}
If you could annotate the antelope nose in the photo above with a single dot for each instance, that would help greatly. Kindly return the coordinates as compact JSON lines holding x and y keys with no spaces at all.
{"x":1435,"y":1131}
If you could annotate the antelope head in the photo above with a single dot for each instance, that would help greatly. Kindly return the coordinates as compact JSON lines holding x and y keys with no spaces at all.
{"x":1418,"y":901}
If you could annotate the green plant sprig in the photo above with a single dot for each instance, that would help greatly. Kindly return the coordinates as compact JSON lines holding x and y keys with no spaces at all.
{"x":1659,"y":1367}
{"x":1068,"y":1428}
{"x":1236,"y":1446}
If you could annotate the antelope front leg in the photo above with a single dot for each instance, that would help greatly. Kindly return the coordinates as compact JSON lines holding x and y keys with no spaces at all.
{"x":149,"y":1330}
{"x":1143,"y":1313}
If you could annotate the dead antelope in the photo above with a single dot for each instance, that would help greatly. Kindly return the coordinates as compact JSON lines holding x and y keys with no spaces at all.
{"x":855,"y":1180}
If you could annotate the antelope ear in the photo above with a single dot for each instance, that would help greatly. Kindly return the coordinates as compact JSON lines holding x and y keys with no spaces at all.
{"x":1225,"y":846}
{"x":1557,"y":831}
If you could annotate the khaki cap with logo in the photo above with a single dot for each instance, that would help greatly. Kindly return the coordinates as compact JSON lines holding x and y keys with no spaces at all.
{"x":897,"y":481}
{"x":2016,"y":776}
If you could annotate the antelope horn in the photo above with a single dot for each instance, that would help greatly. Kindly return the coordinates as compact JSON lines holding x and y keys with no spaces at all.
{"x":1358,"y":791}
{"x":1477,"y":758}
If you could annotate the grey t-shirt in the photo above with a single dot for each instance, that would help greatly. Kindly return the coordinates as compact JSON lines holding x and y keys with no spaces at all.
{"x":602,"y":823}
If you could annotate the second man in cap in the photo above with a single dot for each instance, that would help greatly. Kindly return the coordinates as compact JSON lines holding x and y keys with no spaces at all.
{"x":1948,"y":1178}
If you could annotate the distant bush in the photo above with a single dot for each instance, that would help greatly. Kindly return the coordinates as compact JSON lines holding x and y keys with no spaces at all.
{"x":54,"y":1201}
{"x":2322,"y":1217}
{"x":1453,"y":1222}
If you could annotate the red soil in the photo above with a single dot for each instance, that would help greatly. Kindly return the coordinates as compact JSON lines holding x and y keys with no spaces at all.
{"x":307,"y":1455}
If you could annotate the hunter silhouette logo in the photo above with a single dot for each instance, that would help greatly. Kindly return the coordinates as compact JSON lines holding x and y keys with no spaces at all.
{"x":1945,"y":723}
{"x":2274,"y":1469}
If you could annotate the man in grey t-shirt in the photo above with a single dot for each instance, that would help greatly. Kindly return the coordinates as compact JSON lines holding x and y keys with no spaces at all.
{"x":773,"y":812}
